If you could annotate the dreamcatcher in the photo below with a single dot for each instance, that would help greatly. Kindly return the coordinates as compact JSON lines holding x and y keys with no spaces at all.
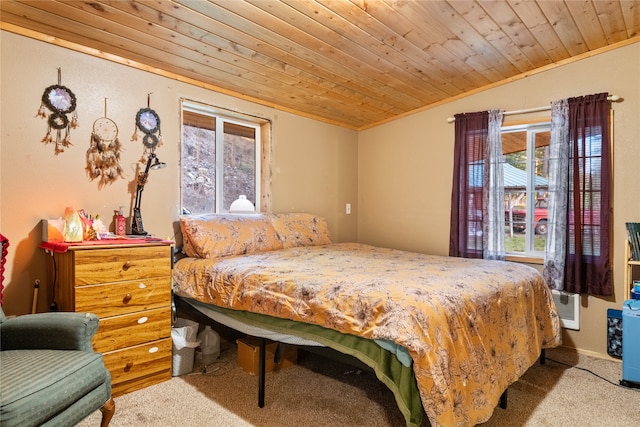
{"x":103,"y":155}
{"x":148,"y":123}
{"x":61,"y":101}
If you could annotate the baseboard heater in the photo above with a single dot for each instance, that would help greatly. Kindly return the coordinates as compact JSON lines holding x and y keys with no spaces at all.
{"x":568,"y":308}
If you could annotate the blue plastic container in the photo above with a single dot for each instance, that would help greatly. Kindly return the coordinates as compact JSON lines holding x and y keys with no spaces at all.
{"x":630,"y":342}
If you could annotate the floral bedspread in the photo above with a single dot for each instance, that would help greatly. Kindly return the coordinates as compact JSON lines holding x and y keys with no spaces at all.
{"x":472,"y":327}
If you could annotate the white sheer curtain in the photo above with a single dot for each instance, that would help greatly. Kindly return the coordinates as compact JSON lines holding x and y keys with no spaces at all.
{"x":494,"y":188}
{"x":556,"y":246}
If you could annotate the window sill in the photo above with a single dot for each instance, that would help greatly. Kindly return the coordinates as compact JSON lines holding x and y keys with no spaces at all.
{"x":525,"y":259}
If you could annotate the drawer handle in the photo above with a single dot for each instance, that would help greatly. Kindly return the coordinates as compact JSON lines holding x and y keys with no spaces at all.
{"x":153,"y":349}
{"x":127,"y":298}
{"x":128,"y":366}
{"x":126,"y":265}
{"x":142,"y":320}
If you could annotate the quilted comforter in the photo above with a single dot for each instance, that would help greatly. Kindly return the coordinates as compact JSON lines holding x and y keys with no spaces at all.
{"x":472,"y":327}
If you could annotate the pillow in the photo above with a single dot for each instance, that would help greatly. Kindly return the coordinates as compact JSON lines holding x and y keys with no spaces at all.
{"x":301,"y":229}
{"x":187,"y":247}
{"x":219,"y":235}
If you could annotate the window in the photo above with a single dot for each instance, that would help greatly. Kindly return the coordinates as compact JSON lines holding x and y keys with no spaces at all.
{"x":222,"y":156}
{"x":567,"y":174}
{"x":589,"y":164}
{"x":526,"y":174}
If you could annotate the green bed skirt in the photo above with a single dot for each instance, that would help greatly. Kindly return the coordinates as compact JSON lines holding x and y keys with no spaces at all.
{"x":396,"y":376}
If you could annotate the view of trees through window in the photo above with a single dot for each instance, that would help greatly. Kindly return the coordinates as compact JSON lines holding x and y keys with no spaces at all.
{"x":212,"y":144}
{"x":239,"y":164}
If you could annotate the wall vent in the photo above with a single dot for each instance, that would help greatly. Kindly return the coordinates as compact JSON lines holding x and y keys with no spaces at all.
{"x":568,"y":309}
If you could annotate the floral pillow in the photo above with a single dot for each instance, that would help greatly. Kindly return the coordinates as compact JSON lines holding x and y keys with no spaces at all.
{"x":301,"y":229}
{"x":219,"y":235}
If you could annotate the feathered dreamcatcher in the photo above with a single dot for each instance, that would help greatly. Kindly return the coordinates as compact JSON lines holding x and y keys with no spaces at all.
{"x":103,"y":155}
{"x":61,"y":101}
{"x":148,"y":123}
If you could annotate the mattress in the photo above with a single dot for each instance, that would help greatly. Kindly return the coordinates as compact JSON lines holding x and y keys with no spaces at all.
{"x":471,"y":327}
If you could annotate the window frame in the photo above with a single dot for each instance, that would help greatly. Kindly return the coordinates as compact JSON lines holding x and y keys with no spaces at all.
{"x":262,"y":129}
{"x":531,"y":128}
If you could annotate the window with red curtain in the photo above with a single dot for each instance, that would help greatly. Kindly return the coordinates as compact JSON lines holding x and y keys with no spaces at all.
{"x":588,"y":232}
{"x":588,"y":255}
{"x":467,"y":197}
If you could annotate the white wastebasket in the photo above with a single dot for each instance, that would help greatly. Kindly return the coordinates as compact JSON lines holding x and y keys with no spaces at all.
{"x":183,"y":334}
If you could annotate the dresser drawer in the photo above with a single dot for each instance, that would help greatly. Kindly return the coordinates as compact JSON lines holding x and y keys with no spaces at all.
{"x":132,"y":329}
{"x":120,"y":264}
{"x":140,"y":366}
{"x":125,"y":297}
{"x":128,"y":287}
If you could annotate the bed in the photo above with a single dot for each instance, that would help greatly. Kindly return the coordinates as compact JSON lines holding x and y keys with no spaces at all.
{"x":447,"y":335}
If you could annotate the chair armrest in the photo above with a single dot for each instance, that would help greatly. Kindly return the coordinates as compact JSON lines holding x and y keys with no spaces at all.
{"x":55,"y":331}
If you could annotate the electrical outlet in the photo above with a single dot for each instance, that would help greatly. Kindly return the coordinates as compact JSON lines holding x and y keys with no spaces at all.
{"x":348,"y":208}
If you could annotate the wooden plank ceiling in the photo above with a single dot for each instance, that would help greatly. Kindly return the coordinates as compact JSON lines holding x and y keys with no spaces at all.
{"x":352,"y":63}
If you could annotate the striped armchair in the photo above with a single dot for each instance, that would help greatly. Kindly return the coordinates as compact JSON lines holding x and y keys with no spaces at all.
{"x":49,"y":373}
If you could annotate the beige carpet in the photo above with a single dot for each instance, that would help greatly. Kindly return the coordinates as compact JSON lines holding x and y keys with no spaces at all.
{"x":321,"y":392}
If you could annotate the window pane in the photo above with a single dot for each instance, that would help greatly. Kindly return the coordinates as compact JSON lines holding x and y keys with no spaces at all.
{"x":526,"y":185}
{"x":198,"y":163}
{"x":239,"y":163}
{"x":540,"y":188}
{"x":589,"y":162}
{"x":514,"y":146}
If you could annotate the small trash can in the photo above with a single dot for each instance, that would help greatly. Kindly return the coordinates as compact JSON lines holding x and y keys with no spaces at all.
{"x":614,"y":333}
{"x":184,"y":335}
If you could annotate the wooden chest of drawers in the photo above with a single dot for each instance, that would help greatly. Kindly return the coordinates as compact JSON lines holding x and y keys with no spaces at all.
{"x":129,"y":288}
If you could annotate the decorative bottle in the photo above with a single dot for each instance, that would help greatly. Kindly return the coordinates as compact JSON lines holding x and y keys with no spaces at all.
{"x":121,"y":223}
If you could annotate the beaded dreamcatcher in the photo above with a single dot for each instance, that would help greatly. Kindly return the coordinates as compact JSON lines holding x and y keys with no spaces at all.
{"x":60,"y":101}
{"x":103,"y":155}
{"x":148,"y":123}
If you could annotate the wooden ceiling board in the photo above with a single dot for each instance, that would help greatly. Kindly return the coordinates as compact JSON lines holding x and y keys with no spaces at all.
{"x":307,"y":57}
{"x":540,"y":28}
{"x":159,"y":56}
{"x":263,"y":55}
{"x":564,"y":26}
{"x":631,"y":16}
{"x":203,"y":54}
{"x":353,"y":63}
{"x":585,"y":15}
{"x":507,"y":20}
{"x":359,"y":30}
{"x":611,"y":18}
{"x":329,"y":44}
{"x":413,"y":39}
{"x":489,"y":29}
{"x":488,"y":48}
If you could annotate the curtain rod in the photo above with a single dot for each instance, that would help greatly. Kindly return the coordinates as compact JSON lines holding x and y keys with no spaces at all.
{"x":612,"y":98}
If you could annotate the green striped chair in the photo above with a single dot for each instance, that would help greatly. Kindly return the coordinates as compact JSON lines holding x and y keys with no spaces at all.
{"x":49,"y":373}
